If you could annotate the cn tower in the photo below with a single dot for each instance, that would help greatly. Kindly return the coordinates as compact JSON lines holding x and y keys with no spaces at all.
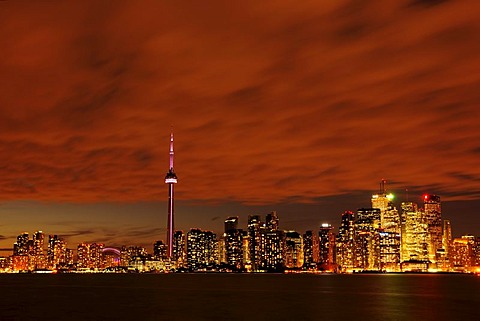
{"x":170,"y":179}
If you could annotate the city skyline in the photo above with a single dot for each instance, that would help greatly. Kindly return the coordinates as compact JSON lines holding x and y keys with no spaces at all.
{"x":299,"y":109}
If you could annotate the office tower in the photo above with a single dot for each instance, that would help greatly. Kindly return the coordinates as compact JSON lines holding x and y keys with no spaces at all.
{"x":446,"y":244}
{"x":326,"y":247}
{"x":179,"y":247}
{"x":433,"y":214}
{"x":160,"y":251}
{"x":21,"y":247}
{"x":246,"y":250}
{"x":293,"y":250}
{"x":415,"y":236}
{"x":202,"y":249}
{"x":345,"y":245}
{"x":367,"y":251}
{"x":272,"y":244}
{"x":389,"y":217}
{"x":171,"y":180}
{"x":56,"y":251}
{"x":272,"y":221}
{"x":233,"y":244}
{"x":463,"y":257}
{"x":90,"y":256}
{"x":255,"y":241}
{"x":308,"y":243}
{"x":37,"y":260}
{"x":389,"y":247}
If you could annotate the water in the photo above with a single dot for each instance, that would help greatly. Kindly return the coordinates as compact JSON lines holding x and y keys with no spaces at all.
{"x":239,"y":297}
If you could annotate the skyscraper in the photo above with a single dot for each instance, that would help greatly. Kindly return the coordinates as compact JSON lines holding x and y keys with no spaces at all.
{"x":345,"y":242}
{"x":326,"y":242}
{"x":255,"y":241}
{"x":233,"y":243}
{"x":170,"y":179}
{"x":433,"y":214}
{"x":293,"y":250}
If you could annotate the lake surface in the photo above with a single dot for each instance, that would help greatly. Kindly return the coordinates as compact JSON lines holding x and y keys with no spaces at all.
{"x":239,"y":297}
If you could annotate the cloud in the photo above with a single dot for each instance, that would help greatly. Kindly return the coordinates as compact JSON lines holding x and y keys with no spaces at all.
{"x":270,"y":102}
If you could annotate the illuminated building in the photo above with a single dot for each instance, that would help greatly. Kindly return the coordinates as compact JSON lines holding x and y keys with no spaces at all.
{"x":246,"y":250}
{"x":433,"y":214}
{"x":326,"y":246}
{"x":179,"y":247}
{"x":293,"y":250}
{"x":366,"y":227}
{"x":160,"y":251}
{"x":233,"y":244}
{"x":21,"y":247}
{"x":20,"y":262}
{"x":415,"y":236}
{"x":389,"y":247}
{"x":38,"y":260}
{"x":255,"y":241}
{"x":56,"y":251}
{"x":202,"y":250}
{"x":272,"y":244}
{"x":345,"y":245}
{"x":171,"y":180}
{"x":443,"y":254}
{"x":477,"y":251}
{"x":462,"y":256}
{"x":90,"y":256}
{"x":308,"y":249}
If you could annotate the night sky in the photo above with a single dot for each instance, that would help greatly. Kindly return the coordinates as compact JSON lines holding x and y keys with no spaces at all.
{"x":299,"y":107}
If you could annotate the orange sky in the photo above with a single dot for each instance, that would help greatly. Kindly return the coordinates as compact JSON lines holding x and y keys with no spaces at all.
{"x":273,"y":103}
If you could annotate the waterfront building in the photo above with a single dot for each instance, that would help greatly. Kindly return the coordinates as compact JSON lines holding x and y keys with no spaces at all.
{"x":389,"y":247}
{"x":202,"y":250}
{"x":293,"y":250}
{"x":463,"y":256}
{"x":433,"y":214}
{"x":233,"y":244}
{"x":308,"y":249}
{"x":179,"y":248}
{"x":21,"y":247}
{"x":255,"y":241}
{"x":90,"y":256}
{"x":326,"y":247}
{"x":56,"y":251}
{"x":367,"y":242}
{"x":171,"y":180}
{"x":345,"y":245}
{"x":415,"y":236}
{"x":272,"y":244}
{"x":160,"y":250}
{"x":246,"y":250}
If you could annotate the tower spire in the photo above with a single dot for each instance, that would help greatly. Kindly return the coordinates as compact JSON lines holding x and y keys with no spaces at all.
{"x":171,"y":150}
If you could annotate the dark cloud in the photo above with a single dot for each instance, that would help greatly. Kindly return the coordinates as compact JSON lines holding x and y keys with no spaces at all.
{"x":270,"y":102}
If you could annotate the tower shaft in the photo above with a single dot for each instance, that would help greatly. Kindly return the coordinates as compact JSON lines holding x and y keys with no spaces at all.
{"x":170,"y":179}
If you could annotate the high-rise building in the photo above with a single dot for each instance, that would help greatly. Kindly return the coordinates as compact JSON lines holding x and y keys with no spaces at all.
{"x":293,"y":250}
{"x":272,"y":244}
{"x":21,"y":247}
{"x":233,"y":244}
{"x":171,"y":180}
{"x":309,"y":261}
{"x":367,"y":243}
{"x":433,"y":214}
{"x":202,"y":249}
{"x":38,"y":260}
{"x":326,"y":242}
{"x":179,"y":247}
{"x":160,"y":251}
{"x":463,"y":255}
{"x":415,"y":236}
{"x":272,"y":221}
{"x":56,"y":251}
{"x":255,"y":241}
{"x":345,"y":245}
{"x":90,"y":256}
